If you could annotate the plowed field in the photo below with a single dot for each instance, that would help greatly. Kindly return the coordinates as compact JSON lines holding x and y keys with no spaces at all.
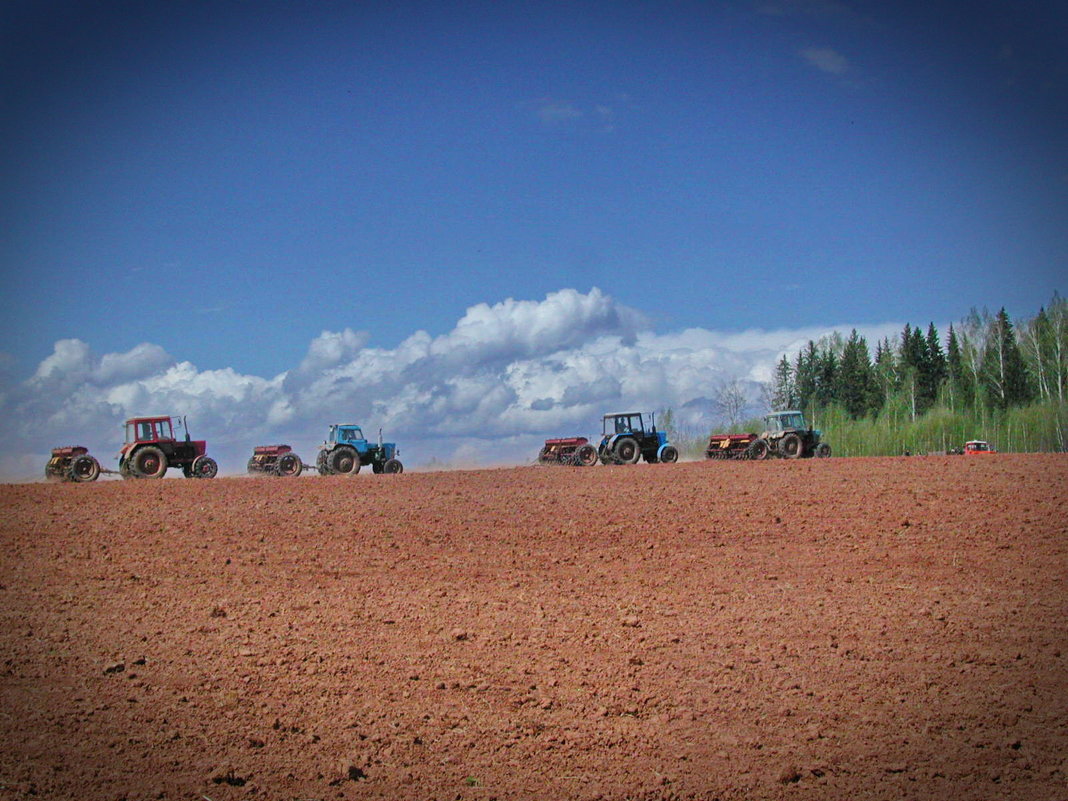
{"x":843,"y":628}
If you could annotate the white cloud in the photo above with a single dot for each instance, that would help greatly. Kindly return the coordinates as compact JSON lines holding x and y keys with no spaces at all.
{"x":826,"y":59}
{"x":552,"y":112}
{"x":506,"y":375}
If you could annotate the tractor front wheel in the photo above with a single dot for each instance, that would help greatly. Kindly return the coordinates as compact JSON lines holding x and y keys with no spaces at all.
{"x":321,"y":465}
{"x":289,"y":465}
{"x":758,"y":450}
{"x":791,"y":446}
{"x":84,"y":468}
{"x":823,"y":450}
{"x":345,"y":460}
{"x":149,"y":462}
{"x":393,"y":466}
{"x":669,"y":454}
{"x":627,"y":450}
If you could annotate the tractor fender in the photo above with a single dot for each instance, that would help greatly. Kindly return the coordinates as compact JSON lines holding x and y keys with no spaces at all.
{"x":660,"y":451}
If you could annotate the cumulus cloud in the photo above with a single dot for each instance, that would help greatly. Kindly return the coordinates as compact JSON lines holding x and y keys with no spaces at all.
{"x":826,"y":60}
{"x":505,"y":376}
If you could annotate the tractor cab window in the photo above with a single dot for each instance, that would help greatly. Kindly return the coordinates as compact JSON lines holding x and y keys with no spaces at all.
{"x":793,"y":421}
{"x":774,"y":423}
{"x":352,"y":434}
{"x":164,"y":430}
{"x":144,"y":431}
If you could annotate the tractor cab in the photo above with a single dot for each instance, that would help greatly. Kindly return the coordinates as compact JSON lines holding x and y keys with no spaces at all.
{"x":781,"y":422}
{"x":626,"y":423}
{"x":978,"y":447}
{"x":149,"y":429}
{"x":346,"y":434}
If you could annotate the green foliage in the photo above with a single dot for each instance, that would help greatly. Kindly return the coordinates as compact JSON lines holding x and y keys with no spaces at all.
{"x":1041,"y":426}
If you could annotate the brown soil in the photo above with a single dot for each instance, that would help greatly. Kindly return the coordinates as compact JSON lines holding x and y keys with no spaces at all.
{"x":651,"y":632}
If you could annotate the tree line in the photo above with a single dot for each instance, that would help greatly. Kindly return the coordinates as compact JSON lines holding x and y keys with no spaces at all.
{"x":986,"y":363}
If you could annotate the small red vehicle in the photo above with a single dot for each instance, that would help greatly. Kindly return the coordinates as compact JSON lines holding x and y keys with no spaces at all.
{"x":151,"y":448}
{"x":978,"y":447}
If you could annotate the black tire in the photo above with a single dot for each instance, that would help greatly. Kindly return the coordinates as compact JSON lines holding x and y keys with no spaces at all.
{"x":823,"y":450}
{"x":149,"y":462}
{"x":627,"y":451}
{"x":204,"y":467}
{"x":321,"y":465}
{"x":376,"y":468}
{"x":791,"y":446}
{"x":545,"y":456}
{"x":84,"y":468}
{"x":344,"y":460}
{"x":54,"y":471}
{"x":289,"y":465}
{"x":125,"y":470}
{"x":758,"y":450}
{"x":669,"y":454}
{"x":393,"y":466}
{"x":586,"y":456}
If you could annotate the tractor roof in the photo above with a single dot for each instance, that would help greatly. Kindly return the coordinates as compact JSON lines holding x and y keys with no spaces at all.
{"x":621,"y":414}
{"x":780,"y":414}
{"x":157,"y":419}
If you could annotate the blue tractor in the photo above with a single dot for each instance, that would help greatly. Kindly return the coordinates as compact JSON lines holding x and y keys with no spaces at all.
{"x":346,"y":450}
{"x":625,"y":439}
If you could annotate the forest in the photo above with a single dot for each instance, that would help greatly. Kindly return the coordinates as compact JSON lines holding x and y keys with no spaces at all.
{"x":989,"y":378}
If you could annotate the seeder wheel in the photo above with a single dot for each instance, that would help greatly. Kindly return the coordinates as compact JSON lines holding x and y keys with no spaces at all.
{"x":84,"y":468}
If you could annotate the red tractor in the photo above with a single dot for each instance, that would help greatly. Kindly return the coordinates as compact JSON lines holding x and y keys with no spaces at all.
{"x":151,"y":448}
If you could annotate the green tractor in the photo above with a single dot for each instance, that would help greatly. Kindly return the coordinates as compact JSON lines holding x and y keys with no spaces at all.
{"x":787,"y":435}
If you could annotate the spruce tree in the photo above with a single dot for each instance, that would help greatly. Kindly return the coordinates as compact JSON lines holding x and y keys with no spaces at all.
{"x":935,"y":364}
{"x":805,"y":375}
{"x":1004,"y":374}
{"x":855,"y":379}
{"x":959,"y":378}
{"x":783,"y":395}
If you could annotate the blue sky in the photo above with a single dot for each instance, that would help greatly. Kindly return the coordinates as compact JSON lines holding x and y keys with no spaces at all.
{"x":233,"y":186}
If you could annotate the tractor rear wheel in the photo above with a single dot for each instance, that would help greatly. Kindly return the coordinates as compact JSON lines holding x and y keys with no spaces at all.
{"x":84,"y":468}
{"x":669,"y":454}
{"x":289,"y":465}
{"x":791,"y":446}
{"x":586,"y":456}
{"x":627,"y":450}
{"x":392,"y":466}
{"x":204,"y":467}
{"x":149,"y":462}
{"x":758,"y":450}
{"x":823,"y":450}
{"x":344,"y":460}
